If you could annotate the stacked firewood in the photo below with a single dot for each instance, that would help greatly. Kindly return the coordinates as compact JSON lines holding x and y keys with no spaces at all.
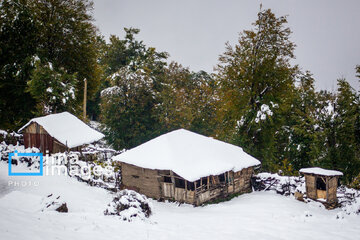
{"x":284,"y":185}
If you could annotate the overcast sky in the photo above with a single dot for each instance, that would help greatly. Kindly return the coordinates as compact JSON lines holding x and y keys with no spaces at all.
{"x":194,"y":32}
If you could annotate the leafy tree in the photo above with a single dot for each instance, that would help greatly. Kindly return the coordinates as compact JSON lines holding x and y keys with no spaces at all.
{"x":125,"y":52}
{"x":53,"y":89}
{"x":340,"y":148}
{"x":67,"y":38}
{"x":187,"y":100}
{"x":54,"y":31}
{"x":128,"y":109}
{"x":256,"y":79}
{"x":18,"y":42}
{"x":297,"y":139}
{"x":347,"y":110}
{"x":129,"y":105}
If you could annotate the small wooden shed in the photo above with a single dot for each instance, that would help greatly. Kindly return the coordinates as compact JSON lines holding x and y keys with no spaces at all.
{"x":321,"y":184}
{"x":58,"y":132}
{"x":186,"y":167}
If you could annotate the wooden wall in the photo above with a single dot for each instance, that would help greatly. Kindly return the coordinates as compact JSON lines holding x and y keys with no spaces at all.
{"x":144,"y":181}
{"x":331,"y":188}
{"x":152,"y":184}
{"x":236,"y":182}
{"x":36,"y":136}
{"x":310,"y":183}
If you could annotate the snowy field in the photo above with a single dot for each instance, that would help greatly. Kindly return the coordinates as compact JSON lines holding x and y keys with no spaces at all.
{"x":259,"y":215}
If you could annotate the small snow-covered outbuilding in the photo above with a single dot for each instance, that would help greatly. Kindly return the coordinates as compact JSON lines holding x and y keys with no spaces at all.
{"x":58,"y":132}
{"x":186,"y":167}
{"x":321,"y":184}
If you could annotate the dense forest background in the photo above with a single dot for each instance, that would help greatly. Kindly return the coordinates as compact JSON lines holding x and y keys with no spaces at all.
{"x":256,"y":98}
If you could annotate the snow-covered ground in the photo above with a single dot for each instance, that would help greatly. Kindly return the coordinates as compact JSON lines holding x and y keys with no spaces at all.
{"x":258,"y":215}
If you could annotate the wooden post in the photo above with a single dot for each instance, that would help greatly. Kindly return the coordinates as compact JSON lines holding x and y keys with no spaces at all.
{"x":85,"y":97}
{"x":172,"y":177}
{"x":208,"y":182}
{"x":327,"y":189}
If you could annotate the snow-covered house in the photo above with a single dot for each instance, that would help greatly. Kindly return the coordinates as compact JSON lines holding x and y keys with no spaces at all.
{"x":186,"y":167}
{"x":58,"y":133}
{"x":321,"y":184}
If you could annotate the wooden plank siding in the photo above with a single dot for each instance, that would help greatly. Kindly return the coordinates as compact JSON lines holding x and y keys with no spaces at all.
{"x":36,"y":136}
{"x":167,"y":185}
{"x":331,"y":187}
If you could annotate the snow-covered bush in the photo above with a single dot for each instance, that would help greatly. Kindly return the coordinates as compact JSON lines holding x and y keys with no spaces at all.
{"x":30,"y":162}
{"x":349,"y":199}
{"x":129,"y":205}
{"x":54,"y":203}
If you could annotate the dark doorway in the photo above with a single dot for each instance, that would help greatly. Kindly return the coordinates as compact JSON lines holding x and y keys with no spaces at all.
{"x":320,"y":184}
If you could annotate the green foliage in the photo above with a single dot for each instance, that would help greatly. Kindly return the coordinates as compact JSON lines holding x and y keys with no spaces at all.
{"x":355,"y":182}
{"x":297,"y":138}
{"x":53,"y":89}
{"x":128,"y":107}
{"x":57,"y":31}
{"x":143,"y":97}
{"x":17,"y":46}
{"x":272,"y":110}
{"x":256,"y":79}
{"x":187,"y":100}
{"x":67,"y":38}
{"x":341,"y":151}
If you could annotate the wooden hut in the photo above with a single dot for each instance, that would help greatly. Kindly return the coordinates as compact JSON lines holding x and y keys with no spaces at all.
{"x":186,"y":167}
{"x":58,"y":132}
{"x":321,"y":184}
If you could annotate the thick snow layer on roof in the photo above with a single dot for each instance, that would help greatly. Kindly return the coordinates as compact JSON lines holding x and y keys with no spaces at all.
{"x":188,"y":154}
{"x":321,"y":171}
{"x":67,"y":129}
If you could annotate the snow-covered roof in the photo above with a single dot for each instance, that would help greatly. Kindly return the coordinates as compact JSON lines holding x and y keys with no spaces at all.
{"x":67,"y":129}
{"x":321,"y":171}
{"x":188,"y":154}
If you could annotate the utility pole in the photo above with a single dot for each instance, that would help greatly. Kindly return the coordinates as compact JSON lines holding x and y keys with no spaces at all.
{"x":85,"y":96}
